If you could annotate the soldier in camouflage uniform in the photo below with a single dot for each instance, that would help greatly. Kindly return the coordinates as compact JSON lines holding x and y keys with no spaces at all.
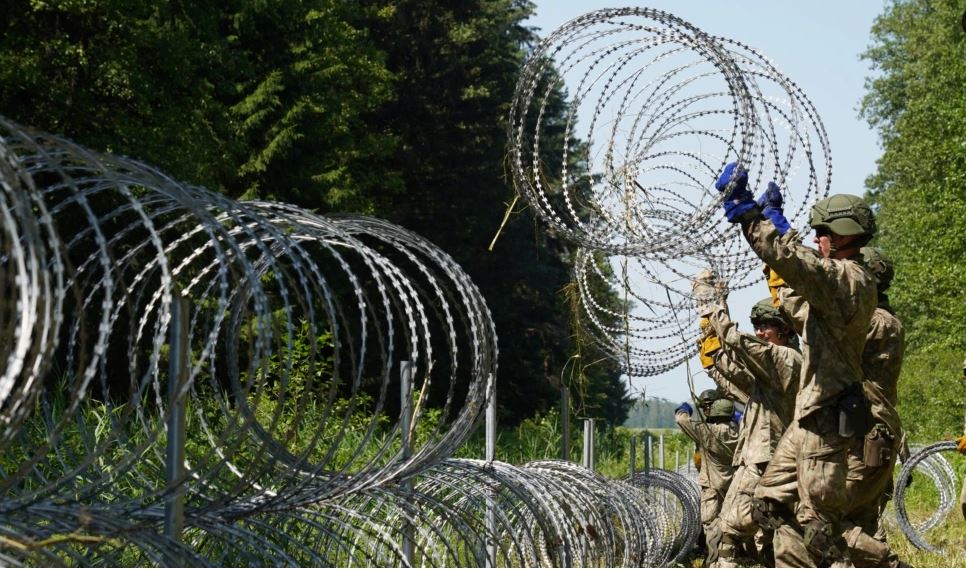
{"x":716,"y":439}
{"x":872,"y":458}
{"x":841,"y":297}
{"x":773,"y":366}
{"x":869,"y":481}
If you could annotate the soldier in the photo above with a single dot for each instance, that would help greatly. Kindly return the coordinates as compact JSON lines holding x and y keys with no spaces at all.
{"x":716,"y":439}
{"x":869,"y":481}
{"x":773,"y":366}
{"x":841,"y":297}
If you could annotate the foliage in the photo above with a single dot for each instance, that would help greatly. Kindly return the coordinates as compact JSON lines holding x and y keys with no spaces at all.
{"x":256,"y":99}
{"x":916,"y":102}
{"x":393,"y":108}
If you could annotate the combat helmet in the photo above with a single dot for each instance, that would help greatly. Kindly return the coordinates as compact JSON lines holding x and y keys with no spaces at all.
{"x":876,"y":261}
{"x":722,"y":409}
{"x":707,"y":397}
{"x":765,"y":311}
{"x":845,"y":215}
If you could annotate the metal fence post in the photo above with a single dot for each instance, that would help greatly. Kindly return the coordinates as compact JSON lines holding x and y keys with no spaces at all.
{"x":178,"y":368}
{"x":405,"y":428}
{"x":565,"y":422}
{"x":491,"y":456}
{"x":660,"y":446}
{"x":633,"y":457}
{"x":589,"y":462}
{"x":647,"y":452}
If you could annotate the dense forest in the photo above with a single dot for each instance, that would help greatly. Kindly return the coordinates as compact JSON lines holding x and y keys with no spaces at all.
{"x":917,"y":102}
{"x":398,"y":109}
{"x":395,"y":109}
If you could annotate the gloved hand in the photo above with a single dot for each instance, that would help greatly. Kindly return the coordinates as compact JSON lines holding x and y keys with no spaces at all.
{"x":775,"y":282}
{"x":684,"y":407}
{"x":770,"y":203}
{"x":961,"y":445}
{"x":738,"y":203}
{"x":771,"y":198}
{"x":708,"y":346}
{"x":697,"y":460}
{"x":707,"y":293}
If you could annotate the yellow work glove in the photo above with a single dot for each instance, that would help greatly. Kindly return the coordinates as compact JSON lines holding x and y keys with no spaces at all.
{"x":697,"y":460}
{"x":775,"y":282}
{"x":961,"y":445}
{"x":709,"y":345}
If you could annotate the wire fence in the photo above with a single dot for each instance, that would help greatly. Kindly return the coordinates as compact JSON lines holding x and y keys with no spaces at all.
{"x":190,"y":380}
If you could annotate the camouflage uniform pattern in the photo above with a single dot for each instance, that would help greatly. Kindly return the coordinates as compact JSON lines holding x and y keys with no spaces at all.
{"x":871,"y":487}
{"x":841,"y":297}
{"x":716,"y":442}
{"x":867,"y":487}
{"x":771,"y":382}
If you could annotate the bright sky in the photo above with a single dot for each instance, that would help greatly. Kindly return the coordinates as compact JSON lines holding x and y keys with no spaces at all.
{"x":815,"y":44}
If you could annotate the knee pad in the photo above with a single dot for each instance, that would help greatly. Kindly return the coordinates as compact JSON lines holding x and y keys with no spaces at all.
{"x":768,"y":514}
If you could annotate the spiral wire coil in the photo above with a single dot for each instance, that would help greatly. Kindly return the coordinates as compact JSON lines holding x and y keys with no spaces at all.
{"x":298,"y":323}
{"x":296,"y":327}
{"x":927,"y":462}
{"x":666,"y":106}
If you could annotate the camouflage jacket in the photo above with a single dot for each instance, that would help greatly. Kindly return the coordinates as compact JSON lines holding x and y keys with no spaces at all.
{"x":716,"y":442}
{"x":882,"y":361}
{"x":770,"y":382}
{"x":840,"y":297}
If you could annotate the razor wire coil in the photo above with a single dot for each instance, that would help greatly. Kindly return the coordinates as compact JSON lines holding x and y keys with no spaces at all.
{"x":291,"y":315}
{"x":927,"y":461}
{"x":666,"y":106}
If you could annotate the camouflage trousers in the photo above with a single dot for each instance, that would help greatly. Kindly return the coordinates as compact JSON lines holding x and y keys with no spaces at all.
{"x":810,"y":465}
{"x":737,"y":525}
{"x":869,"y":489}
{"x":736,"y":519}
{"x":711,"y":501}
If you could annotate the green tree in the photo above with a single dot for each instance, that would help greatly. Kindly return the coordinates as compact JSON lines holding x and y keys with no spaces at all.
{"x":254,"y":99}
{"x":917,"y":103}
{"x":394,"y":108}
{"x":456,"y":67}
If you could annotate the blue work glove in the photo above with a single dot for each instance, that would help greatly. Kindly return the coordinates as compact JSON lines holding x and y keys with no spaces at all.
{"x":770,"y":203}
{"x":684,"y":407}
{"x":733,"y":184}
